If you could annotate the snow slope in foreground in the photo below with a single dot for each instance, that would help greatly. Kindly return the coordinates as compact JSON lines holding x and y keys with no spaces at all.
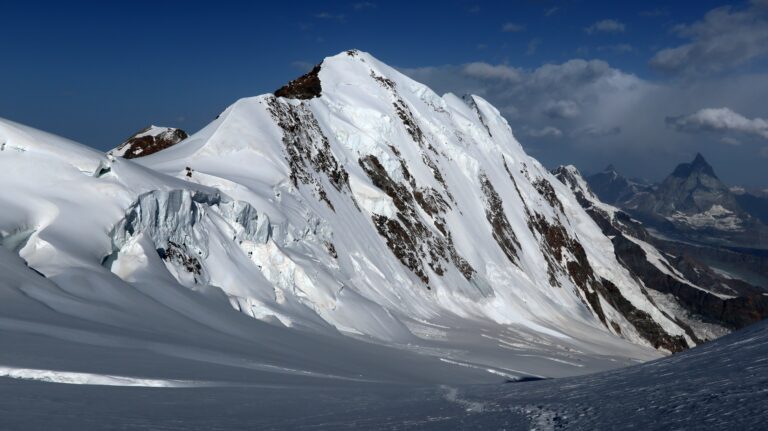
{"x":719,"y":385}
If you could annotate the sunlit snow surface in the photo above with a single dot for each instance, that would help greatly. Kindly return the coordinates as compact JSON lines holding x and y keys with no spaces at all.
{"x":70,"y":378}
{"x":276,"y":330}
{"x":720,"y":385}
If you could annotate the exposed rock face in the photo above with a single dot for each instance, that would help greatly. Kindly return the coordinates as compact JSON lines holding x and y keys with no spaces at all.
{"x":149,"y":141}
{"x":304,"y":87}
{"x":494,"y":213}
{"x":707,"y":296}
{"x":691,"y":189}
{"x":409,"y":238}
{"x":307,"y":149}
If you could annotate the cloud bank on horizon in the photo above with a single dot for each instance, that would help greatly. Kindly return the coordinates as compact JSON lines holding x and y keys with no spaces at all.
{"x":706,"y":96}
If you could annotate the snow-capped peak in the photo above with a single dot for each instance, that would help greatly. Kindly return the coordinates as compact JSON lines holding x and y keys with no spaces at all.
{"x":447,"y":207}
{"x":353,"y":201}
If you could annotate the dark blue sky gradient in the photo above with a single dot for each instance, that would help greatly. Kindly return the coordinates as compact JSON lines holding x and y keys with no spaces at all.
{"x":98,"y":71}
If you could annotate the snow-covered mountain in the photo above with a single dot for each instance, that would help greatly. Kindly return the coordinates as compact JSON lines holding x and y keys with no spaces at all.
{"x":691,"y":202}
{"x":353,"y":225}
{"x":149,"y":140}
{"x":693,"y":196}
{"x":613,"y":188}
{"x":708,"y":303}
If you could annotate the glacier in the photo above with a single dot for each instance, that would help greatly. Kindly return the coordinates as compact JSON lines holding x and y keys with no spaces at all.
{"x":353,"y":228}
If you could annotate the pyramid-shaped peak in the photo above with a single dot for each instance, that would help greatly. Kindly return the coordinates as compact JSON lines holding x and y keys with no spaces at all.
{"x":698,"y":165}
{"x":699,"y":160}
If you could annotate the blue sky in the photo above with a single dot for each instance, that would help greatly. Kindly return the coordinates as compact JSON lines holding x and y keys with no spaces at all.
{"x":643,"y":86}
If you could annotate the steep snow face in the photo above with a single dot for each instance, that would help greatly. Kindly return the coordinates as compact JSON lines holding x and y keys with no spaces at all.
{"x":430,"y":208}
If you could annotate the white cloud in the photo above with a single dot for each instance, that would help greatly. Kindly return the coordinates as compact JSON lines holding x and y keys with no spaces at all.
{"x":330,"y":16}
{"x":533,"y":46}
{"x":544,"y":132}
{"x":511,"y":27}
{"x":724,"y":39}
{"x":596,"y":131}
{"x":621,"y":117}
{"x":488,"y":71}
{"x":583,"y":99}
{"x":363,"y":5}
{"x":606,"y":26}
{"x":719,"y":120}
{"x":562,"y":109}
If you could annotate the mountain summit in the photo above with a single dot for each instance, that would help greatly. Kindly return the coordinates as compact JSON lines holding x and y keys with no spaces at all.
{"x":699,"y":166}
{"x":692,"y":201}
{"x":693,"y":188}
{"x":353,"y":204}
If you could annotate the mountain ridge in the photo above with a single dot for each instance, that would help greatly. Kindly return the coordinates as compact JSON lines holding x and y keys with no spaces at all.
{"x":374,"y":210}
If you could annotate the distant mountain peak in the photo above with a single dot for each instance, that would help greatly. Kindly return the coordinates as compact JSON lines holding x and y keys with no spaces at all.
{"x":699,"y":165}
{"x":610,"y":168}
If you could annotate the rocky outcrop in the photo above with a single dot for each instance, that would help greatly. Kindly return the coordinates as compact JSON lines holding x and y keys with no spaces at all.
{"x":307,"y":149}
{"x":149,"y":141}
{"x":494,"y":213}
{"x":407,"y":235}
{"x":304,"y":87}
